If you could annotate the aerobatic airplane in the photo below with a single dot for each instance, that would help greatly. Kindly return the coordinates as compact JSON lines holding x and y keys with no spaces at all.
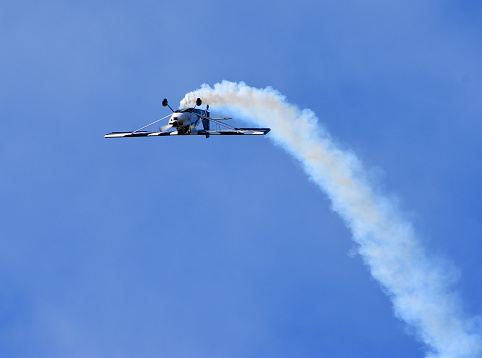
{"x":185,"y":121}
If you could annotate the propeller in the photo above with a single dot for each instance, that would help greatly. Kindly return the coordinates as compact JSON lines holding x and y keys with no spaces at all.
{"x":165,"y":128}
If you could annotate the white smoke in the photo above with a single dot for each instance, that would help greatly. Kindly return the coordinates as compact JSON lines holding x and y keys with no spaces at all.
{"x":417,"y":285}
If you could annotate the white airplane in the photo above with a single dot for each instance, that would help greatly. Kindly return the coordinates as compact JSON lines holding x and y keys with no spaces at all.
{"x":185,"y":121}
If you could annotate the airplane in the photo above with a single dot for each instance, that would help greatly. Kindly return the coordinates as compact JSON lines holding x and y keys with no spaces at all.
{"x":185,"y":122}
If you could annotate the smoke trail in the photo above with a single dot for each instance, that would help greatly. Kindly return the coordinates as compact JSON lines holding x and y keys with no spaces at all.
{"x":417,"y":285}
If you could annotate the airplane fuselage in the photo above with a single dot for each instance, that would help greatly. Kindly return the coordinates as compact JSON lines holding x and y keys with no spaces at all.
{"x":186,"y":120}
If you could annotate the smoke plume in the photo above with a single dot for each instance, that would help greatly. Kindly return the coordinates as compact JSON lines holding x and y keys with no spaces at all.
{"x":418,"y":286}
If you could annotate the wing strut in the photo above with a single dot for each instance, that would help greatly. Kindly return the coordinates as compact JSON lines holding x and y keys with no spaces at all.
{"x":137,"y":130}
{"x":220,"y":123}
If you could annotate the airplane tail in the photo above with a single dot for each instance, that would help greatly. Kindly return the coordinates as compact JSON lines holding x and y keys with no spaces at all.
{"x":206,"y":124}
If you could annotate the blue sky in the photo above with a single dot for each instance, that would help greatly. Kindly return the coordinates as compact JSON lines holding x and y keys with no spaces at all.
{"x":186,"y":247}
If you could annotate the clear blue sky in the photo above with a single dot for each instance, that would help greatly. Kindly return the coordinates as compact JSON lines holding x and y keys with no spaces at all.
{"x":187,"y":247}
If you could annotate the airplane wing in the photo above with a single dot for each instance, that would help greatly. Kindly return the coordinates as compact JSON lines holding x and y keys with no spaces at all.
{"x":138,"y":134}
{"x":230,"y":129}
{"x":165,"y":130}
{"x":235,"y":131}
